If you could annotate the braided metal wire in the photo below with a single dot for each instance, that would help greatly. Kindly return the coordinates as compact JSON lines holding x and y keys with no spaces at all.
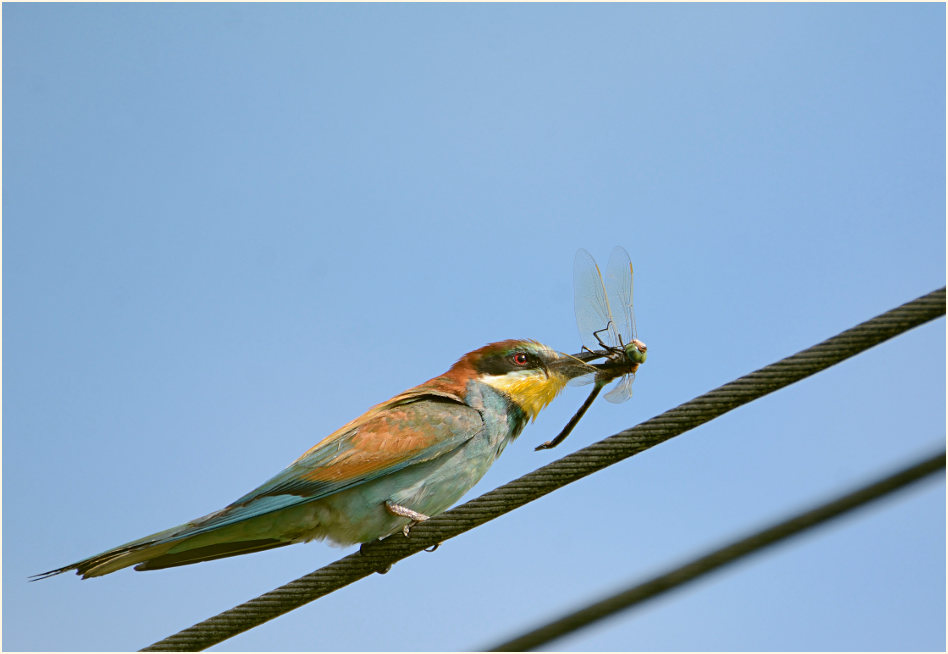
{"x":379,"y":556}
{"x":722,"y":556}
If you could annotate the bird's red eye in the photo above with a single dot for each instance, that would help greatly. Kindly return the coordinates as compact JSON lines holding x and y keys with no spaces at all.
{"x":520,"y":359}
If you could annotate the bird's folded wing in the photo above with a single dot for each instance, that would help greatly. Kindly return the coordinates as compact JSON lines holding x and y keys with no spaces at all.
{"x":389,"y":439}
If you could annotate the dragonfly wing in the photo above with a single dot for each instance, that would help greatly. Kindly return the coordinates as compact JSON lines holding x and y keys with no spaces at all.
{"x":591,"y":303}
{"x":585,"y":380}
{"x":618,"y":284}
{"x":621,"y":391}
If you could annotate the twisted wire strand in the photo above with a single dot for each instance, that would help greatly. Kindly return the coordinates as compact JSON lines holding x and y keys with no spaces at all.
{"x":731,"y":552}
{"x":380,"y":555}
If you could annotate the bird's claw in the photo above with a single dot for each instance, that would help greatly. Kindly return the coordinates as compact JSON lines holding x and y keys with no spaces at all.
{"x":407,"y":528}
{"x":364,"y":550}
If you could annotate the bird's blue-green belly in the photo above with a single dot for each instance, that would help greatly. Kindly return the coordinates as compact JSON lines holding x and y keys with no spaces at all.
{"x":358,"y":515}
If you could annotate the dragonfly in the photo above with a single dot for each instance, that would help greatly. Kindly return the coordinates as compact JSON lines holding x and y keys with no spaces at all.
{"x":605,"y":335}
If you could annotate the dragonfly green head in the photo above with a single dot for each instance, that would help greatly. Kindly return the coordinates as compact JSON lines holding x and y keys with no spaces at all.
{"x":636,"y":351}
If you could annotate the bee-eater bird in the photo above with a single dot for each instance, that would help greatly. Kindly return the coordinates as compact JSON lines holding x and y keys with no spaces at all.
{"x":397,"y":464}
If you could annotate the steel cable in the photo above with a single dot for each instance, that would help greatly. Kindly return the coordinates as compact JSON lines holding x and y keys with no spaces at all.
{"x":380,"y":555}
{"x":722,"y":556}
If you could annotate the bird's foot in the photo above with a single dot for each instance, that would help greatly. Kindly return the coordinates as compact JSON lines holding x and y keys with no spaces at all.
{"x":365,"y":550}
{"x":405,"y":512}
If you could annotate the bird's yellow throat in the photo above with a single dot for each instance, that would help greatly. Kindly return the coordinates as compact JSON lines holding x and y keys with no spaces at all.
{"x":530,"y":390}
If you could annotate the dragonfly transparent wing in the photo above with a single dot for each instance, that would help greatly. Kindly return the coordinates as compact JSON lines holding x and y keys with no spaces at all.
{"x":621,"y":391}
{"x":591,"y":303}
{"x":618,"y":284}
{"x":585,"y":380}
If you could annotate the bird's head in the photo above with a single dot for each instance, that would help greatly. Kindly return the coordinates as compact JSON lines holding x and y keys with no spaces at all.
{"x":528,"y":372}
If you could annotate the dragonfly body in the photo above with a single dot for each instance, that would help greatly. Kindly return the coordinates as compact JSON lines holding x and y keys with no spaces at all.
{"x":607,"y":328}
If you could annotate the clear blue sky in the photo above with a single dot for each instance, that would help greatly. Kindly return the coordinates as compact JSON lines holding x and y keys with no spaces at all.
{"x":229,"y":229}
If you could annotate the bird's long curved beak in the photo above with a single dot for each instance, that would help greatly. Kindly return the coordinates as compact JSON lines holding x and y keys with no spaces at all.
{"x":569,"y":366}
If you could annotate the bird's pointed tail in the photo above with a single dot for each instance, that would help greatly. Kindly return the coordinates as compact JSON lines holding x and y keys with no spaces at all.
{"x":224,"y":533}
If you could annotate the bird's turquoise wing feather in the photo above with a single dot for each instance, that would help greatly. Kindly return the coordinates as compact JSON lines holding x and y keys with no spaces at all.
{"x":386,"y":443}
{"x":392,"y":436}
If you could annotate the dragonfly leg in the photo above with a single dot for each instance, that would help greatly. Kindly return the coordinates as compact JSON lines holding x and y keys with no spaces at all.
{"x":598,"y":338}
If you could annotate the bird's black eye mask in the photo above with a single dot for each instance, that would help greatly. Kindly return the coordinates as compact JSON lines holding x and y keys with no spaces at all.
{"x":502,"y":363}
